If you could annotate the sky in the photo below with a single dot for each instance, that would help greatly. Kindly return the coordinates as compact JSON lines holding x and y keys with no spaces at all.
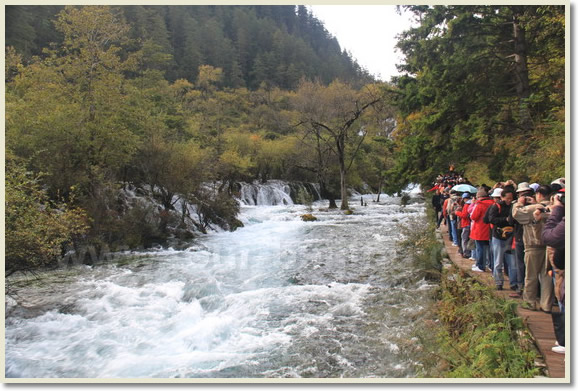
{"x":368,"y":32}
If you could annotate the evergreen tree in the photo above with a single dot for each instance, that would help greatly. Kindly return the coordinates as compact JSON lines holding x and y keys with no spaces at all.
{"x":179,"y":39}
{"x":473,"y":89}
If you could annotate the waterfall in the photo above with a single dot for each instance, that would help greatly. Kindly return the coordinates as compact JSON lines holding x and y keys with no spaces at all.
{"x":276,"y":192}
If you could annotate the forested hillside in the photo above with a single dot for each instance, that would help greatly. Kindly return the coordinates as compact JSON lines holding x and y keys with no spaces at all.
{"x":275,"y":45}
{"x":484,"y":88}
{"x":116,"y":103}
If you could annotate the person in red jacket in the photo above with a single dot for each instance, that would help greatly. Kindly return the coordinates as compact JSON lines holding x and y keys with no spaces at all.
{"x":464,"y":215}
{"x":480,"y":231}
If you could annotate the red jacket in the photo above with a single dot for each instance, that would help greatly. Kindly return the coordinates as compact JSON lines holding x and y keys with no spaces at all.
{"x":444,"y":207}
{"x":464,"y":214}
{"x":480,"y":230}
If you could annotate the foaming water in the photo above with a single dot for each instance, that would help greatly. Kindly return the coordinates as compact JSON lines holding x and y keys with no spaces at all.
{"x":277,"y":298}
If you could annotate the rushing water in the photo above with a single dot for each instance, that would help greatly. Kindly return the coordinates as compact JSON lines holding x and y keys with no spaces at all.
{"x":277,"y":298}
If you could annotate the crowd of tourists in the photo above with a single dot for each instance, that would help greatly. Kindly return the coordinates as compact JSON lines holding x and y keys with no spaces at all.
{"x":514,"y":231}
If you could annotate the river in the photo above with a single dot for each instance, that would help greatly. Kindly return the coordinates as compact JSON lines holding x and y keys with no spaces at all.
{"x":279,"y":298}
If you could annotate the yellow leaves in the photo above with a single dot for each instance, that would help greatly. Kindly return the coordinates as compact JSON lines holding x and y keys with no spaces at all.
{"x":90,"y":26}
{"x":415,"y":116}
{"x":13,"y":63}
{"x":35,"y":229}
{"x":233,"y":162}
{"x":208,"y":76}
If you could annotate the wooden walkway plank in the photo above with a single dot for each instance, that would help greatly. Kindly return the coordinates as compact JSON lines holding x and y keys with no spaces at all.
{"x":539,"y":323}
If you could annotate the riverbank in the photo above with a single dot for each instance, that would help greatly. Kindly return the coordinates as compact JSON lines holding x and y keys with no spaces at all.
{"x":538,"y":322}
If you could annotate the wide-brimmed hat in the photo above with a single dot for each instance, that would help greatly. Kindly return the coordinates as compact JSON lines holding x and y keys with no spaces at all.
{"x":524,"y":186}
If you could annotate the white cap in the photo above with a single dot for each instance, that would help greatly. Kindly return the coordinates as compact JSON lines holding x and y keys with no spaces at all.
{"x":560,"y":181}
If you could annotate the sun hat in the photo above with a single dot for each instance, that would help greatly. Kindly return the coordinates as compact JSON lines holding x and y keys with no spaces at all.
{"x":524,"y":186}
{"x":497,"y":192}
{"x":560,"y":181}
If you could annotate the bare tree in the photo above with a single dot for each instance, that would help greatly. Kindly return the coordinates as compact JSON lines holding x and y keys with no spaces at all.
{"x":333,"y":116}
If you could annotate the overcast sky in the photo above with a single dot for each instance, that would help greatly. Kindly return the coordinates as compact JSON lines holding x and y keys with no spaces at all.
{"x":368,"y":32}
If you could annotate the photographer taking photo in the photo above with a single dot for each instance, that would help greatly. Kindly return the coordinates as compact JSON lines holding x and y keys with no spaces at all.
{"x":553,"y":235}
{"x":537,"y":279}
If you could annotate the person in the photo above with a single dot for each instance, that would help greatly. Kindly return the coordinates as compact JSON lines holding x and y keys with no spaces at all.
{"x":560,"y":182}
{"x":510,"y":184}
{"x":480,"y":231}
{"x":437,"y":202}
{"x":538,"y":290}
{"x":495,"y":193}
{"x":464,"y":216}
{"x":445,"y":212}
{"x":523,"y":190}
{"x":553,"y":234}
{"x":499,"y":216}
{"x":451,"y":213}
{"x":458,"y":206}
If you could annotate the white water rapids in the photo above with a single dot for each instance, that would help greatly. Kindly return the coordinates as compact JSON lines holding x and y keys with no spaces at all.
{"x":277,"y":298}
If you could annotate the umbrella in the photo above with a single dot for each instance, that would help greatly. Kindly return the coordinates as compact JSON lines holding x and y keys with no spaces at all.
{"x":463,"y":188}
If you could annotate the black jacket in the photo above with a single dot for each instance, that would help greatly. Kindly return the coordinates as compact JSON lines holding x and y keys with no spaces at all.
{"x":437,"y":202}
{"x":499,"y":217}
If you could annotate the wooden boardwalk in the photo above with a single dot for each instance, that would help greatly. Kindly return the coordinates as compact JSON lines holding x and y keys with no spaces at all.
{"x":539,"y":323}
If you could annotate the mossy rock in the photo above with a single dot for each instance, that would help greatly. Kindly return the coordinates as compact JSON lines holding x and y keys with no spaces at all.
{"x":235,"y":223}
{"x":308,"y":217}
{"x":348,"y":212}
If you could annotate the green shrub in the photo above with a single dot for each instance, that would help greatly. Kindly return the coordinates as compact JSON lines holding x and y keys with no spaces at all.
{"x":478,"y":335}
{"x":220,"y":209}
{"x":36,"y":228}
{"x":405,"y":198}
{"x":304,"y":198}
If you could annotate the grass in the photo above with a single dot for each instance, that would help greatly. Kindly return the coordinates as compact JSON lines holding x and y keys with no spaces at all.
{"x":477,"y":335}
